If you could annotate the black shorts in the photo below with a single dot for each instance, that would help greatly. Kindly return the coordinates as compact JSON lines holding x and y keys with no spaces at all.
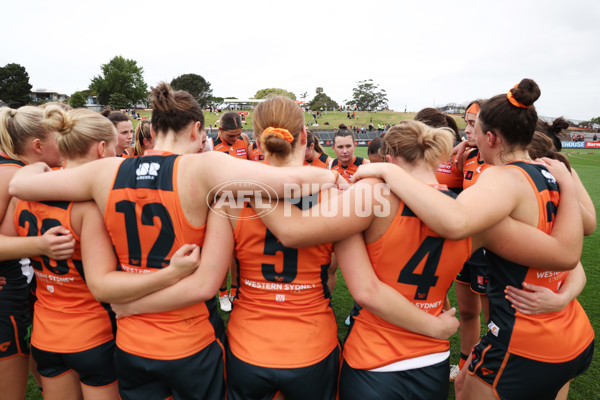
{"x":15,"y":335}
{"x":475,"y":272}
{"x":199,"y":376}
{"x":419,"y":383}
{"x":96,"y":366}
{"x":514,"y":377}
{"x":250,"y":382}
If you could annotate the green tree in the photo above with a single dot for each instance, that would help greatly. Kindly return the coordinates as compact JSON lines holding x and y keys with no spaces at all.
{"x":368,"y":96}
{"x":78,"y":100}
{"x":15,"y":89}
{"x":322,"y":101}
{"x":117,"y":101}
{"x":195,"y":85}
{"x":266,"y":93}
{"x":120,"y":76}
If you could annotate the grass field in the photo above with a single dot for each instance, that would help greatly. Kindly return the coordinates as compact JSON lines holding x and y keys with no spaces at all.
{"x":586,"y":387}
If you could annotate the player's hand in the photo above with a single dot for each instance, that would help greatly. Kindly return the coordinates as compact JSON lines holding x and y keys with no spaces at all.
{"x":534,"y":299}
{"x":447,"y":324}
{"x":342,"y":183}
{"x":186,"y":259}
{"x":373,"y":170}
{"x":460,"y":149}
{"x":58,"y":243}
{"x":558,"y":170}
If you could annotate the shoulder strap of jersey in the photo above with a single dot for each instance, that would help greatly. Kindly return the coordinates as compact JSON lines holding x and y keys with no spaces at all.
{"x":407,"y":212}
{"x":358,"y":161}
{"x":323,"y":158}
{"x":473,"y":153}
{"x":11,"y":161}
{"x":538,"y":174}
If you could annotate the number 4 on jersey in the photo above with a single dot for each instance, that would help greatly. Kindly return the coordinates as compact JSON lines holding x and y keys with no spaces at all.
{"x":431,"y":249}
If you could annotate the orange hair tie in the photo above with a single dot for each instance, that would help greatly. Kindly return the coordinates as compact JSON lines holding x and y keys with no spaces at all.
{"x":514,"y":101}
{"x":280,"y":133}
{"x":474,"y":109}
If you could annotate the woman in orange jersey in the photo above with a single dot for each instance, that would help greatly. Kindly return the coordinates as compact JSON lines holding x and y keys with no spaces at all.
{"x":282,"y":335}
{"x":521,"y":356}
{"x":343,"y":146}
{"x":124,"y":128}
{"x":231,"y":140}
{"x":314,"y":152}
{"x":23,"y":140}
{"x":373,"y":368}
{"x":151,"y":207}
{"x":84,"y":364}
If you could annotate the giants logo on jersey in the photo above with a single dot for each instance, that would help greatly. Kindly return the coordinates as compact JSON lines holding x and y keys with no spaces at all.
{"x":469,"y":175}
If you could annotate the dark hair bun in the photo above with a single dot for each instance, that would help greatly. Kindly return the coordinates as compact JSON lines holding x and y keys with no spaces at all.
{"x":527,"y":92}
{"x":558,"y":125}
{"x":162,"y":98}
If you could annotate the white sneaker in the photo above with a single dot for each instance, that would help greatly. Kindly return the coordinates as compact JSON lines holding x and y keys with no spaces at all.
{"x":225,"y":303}
{"x":347,"y":322}
{"x":454,"y":370}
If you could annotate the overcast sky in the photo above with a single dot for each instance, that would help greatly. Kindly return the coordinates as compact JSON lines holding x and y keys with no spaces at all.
{"x":423,"y":53}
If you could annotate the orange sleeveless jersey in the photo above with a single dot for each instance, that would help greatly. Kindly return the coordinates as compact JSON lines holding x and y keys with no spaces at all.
{"x":448,"y":174}
{"x":420,"y":265}
{"x":238,"y":149}
{"x":257,"y":155}
{"x":348,"y":171}
{"x":146,"y":224}
{"x":67,"y":318}
{"x":553,"y":337}
{"x":473,"y":166}
{"x":322,"y":161}
{"x":282,"y":317}
{"x":14,"y":296}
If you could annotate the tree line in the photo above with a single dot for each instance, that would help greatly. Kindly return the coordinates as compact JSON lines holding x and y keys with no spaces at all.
{"x":121,"y":85}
